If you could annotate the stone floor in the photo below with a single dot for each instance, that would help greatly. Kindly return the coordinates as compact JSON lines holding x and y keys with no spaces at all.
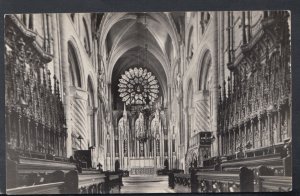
{"x":146,"y":184}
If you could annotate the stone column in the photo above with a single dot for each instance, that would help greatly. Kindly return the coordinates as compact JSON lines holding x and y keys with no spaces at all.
{"x":29,"y":134}
{"x":269,"y":130}
{"x":186,"y":129}
{"x":259,"y":130}
{"x":65,"y":79}
{"x":138,"y":148}
{"x":214,"y":87}
{"x":279,"y":125}
{"x":252,"y":136}
{"x":56,"y":47}
{"x":229,"y":141}
{"x":222,"y":58}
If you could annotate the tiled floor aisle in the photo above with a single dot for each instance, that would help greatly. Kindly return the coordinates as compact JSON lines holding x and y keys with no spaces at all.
{"x":146,"y":184}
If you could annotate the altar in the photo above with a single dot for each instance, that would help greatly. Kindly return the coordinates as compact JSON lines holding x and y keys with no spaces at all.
{"x":141,"y":140}
{"x":142,"y":166}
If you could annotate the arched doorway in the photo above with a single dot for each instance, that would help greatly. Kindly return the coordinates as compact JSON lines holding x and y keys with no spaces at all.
{"x":117,"y":165}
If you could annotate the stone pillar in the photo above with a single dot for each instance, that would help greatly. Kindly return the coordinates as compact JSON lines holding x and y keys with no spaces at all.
{"x":65,"y":79}
{"x":56,"y":47}
{"x":259,"y":130}
{"x":252,"y":136}
{"x":269,"y":129}
{"x":186,"y":129}
{"x":279,"y":125}
{"x":221,"y":48}
{"x":229,"y":141}
{"x":214,"y":87}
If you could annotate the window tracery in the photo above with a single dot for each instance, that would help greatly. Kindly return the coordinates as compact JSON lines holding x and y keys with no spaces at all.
{"x":138,"y":86}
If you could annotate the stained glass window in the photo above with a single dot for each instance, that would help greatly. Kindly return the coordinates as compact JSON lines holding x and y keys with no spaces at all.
{"x":138,"y":86}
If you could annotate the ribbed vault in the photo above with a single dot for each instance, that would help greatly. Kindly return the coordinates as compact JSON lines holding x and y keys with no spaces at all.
{"x":124,"y":35}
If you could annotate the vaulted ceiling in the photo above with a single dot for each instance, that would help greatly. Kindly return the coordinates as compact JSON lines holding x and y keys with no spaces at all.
{"x":123,"y":37}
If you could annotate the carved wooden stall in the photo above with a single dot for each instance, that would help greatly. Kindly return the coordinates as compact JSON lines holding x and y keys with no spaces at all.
{"x":254,"y":119}
{"x":35,"y":120}
{"x":72,"y":182}
{"x":35,"y":123}
{"x":267,"y":180}
{"x":260,"y":179}
{"x":214,"y":181}
{"x":34,"y":114}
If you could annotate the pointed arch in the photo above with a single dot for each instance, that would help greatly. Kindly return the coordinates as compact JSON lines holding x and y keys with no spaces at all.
{"x":86,"y":38}
{"x":74,"y":67}
{"x":190,"y":43}
{"x":91,"y":105}
{"x":205,"y":65}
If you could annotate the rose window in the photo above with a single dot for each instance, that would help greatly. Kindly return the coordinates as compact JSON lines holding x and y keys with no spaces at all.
{"x":138,"y":86}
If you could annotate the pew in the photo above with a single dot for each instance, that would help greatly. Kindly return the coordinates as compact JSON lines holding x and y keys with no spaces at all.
{"x":214,"y":181}
{"x":182,"y":183}
{"x":171,"y":176}
{"x":26,"y":171}
{"x":275,"y":183}
{"x":50,"y":188}
{"x":113,"y":181}
{"x":64,"y":185}
{"x":41,"y":176}
{"x":87,"y":182}
{"x":222,"y":181}
{"x":272,"y":160}
{"x":91,"y":181}
{"x":268,"y":180}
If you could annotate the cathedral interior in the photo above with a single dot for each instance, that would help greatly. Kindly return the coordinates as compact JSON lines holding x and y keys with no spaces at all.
{"x":200,"y":98}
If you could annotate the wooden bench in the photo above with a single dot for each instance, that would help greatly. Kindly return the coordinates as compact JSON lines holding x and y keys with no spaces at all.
{"x":267,"y":180}
{"x":275,"y":183}
{"x":182,"y":183}
{"x":113,"y":182}
{"x":171,"y":180}
{"x":215,"y":181}
{"x":87,"y":182}
{"x":91,"y":182}
{"x":26,"y":171}
{"x":50,"y":188}
{"x":273,"y":160}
